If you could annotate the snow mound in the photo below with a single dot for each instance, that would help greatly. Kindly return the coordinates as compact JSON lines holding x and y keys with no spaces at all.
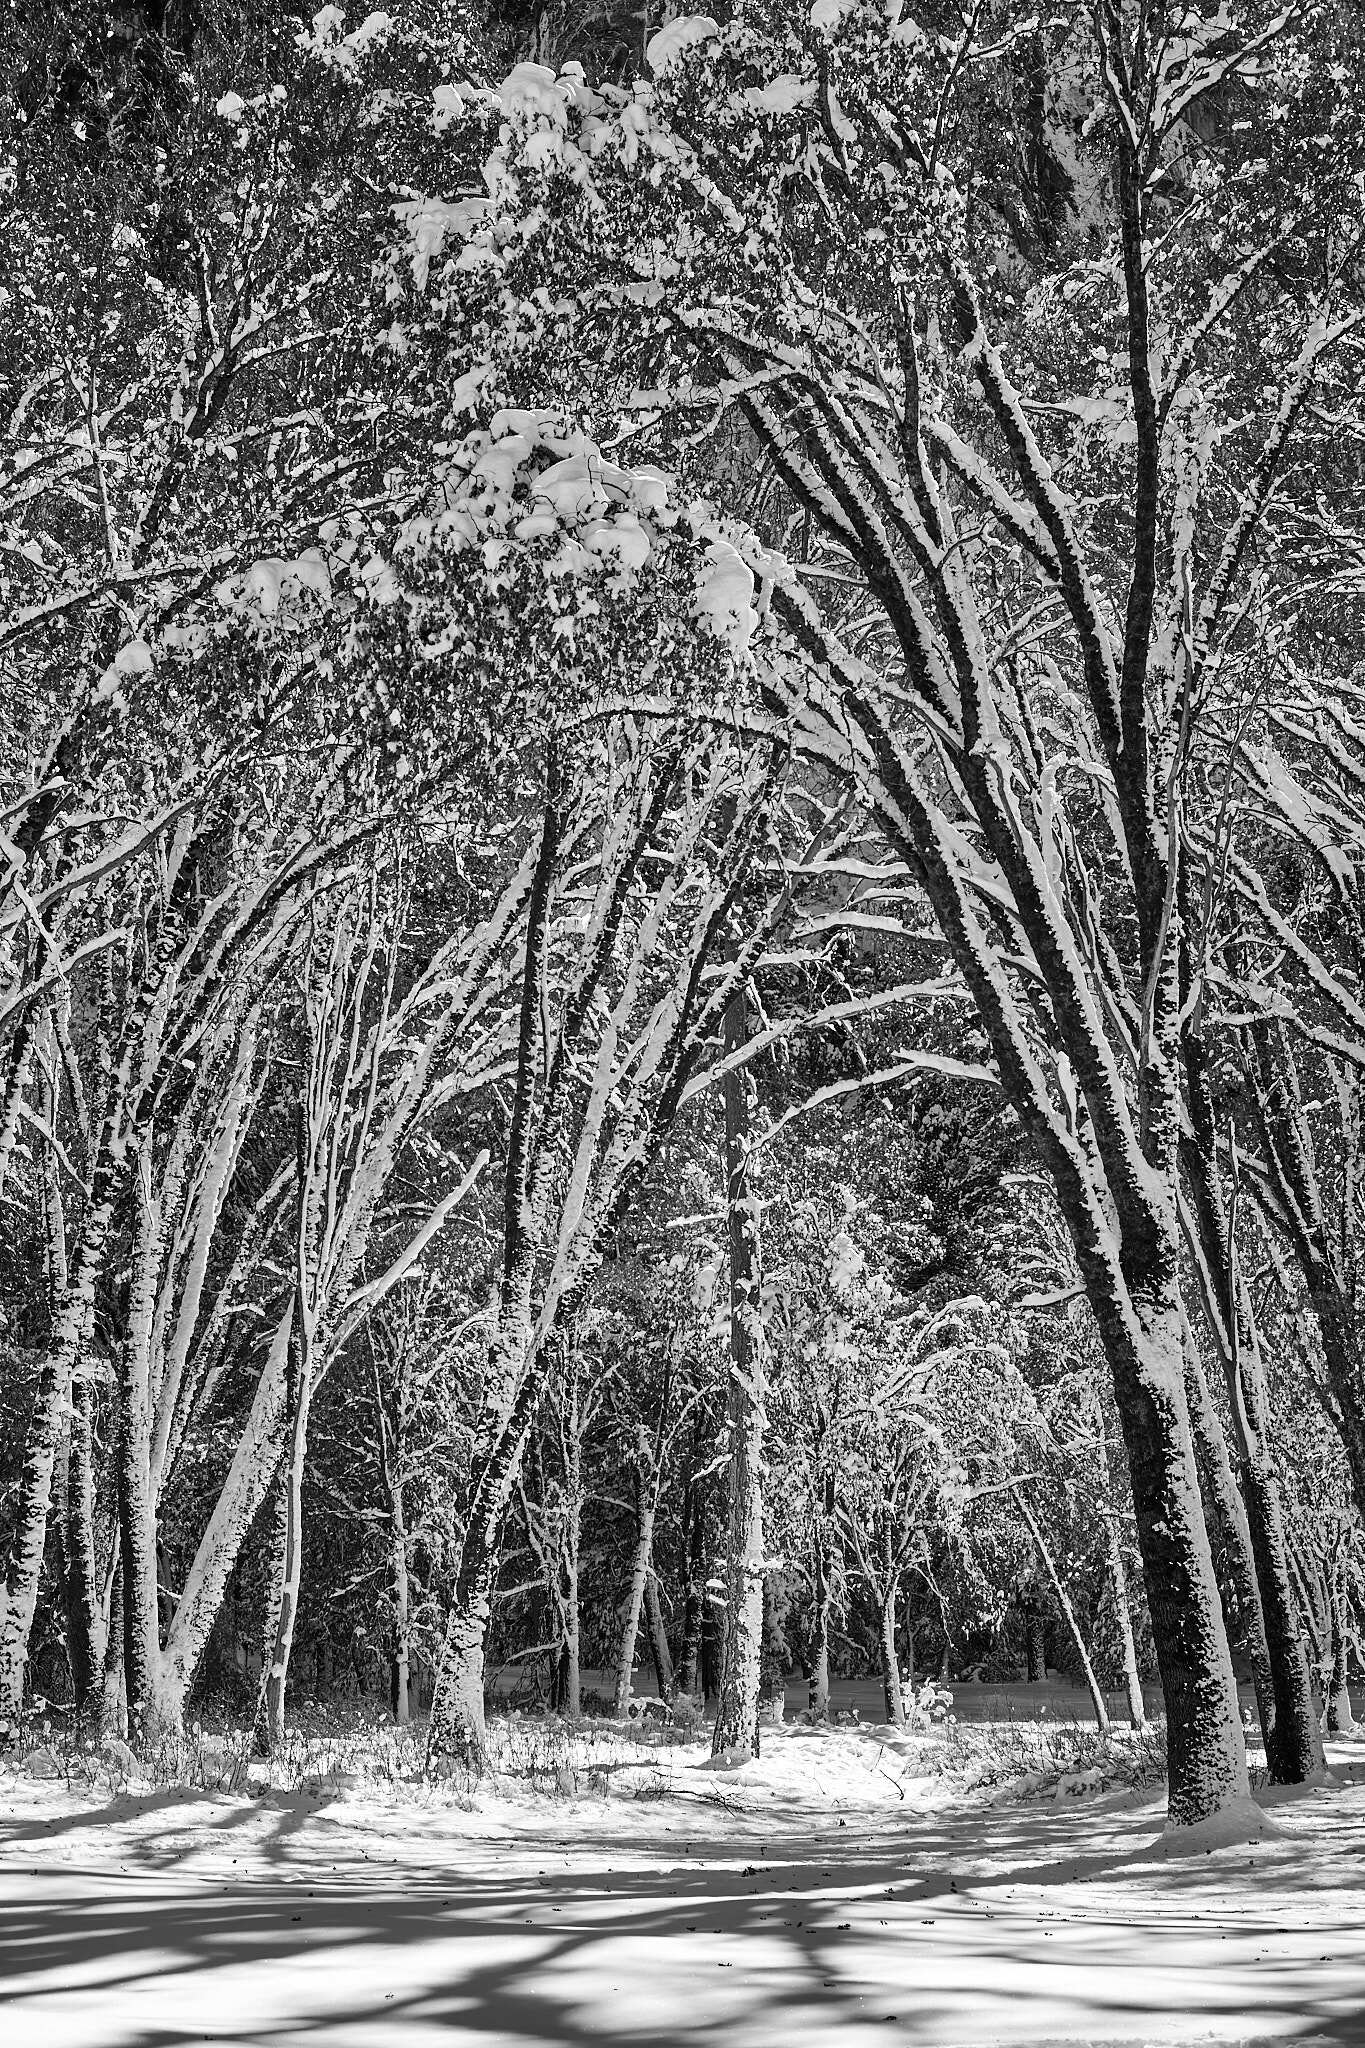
{"x":1239,"y":1822}
{"x":668,"y":43}
{"x":732,"y":1759}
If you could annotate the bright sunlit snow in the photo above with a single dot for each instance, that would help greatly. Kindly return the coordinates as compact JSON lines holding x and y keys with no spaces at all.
{"x":829,"y":1891}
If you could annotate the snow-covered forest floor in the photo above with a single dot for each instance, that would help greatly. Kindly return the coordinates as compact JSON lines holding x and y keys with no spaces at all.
{"x":604,"y":1889}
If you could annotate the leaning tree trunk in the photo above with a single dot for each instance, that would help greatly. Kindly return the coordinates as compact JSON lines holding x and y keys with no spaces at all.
{"x":1068,"y":1611}
{"x":658,"y":1638}
{"x":457,"y":1737}
{"x":736,"y":1728}
{"x":457,"y":1734}
{"x":245,"y":1487}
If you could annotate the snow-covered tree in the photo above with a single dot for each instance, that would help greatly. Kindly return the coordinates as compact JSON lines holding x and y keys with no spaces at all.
{"x":786,"y":226}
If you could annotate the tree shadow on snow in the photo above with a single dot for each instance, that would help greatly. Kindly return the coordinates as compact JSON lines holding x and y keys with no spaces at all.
{"x":901,"y":1940}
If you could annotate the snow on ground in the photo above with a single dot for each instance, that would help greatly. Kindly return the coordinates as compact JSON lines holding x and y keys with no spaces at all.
{"x":831,"y":1892}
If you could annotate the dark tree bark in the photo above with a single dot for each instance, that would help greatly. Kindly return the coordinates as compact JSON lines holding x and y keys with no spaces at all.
{"x":694,"y":1602}
{"x":658,"y":1638}
{"x":1293,"y":1740}
{"x":84,"y":1631}
{"x":1035,"y":1654}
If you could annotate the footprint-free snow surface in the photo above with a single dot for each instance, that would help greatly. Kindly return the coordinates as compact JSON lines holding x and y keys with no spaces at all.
{"x":826,"y":1893}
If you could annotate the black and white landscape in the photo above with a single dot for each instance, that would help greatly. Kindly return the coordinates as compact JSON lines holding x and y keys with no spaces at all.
{"x":682,"y":1023}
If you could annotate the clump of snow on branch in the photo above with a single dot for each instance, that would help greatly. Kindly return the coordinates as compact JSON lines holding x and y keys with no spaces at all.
{"x":668,"y":43}
{"x":326,"y":42}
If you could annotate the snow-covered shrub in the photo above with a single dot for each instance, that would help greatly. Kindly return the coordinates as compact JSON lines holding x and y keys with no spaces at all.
{"x":930,"y":1706}
{"x":1030,"y":1760}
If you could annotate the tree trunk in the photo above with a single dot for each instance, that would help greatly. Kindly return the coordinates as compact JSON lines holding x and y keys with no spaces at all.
{"x":20,"y":1058}
{"x":1292,"y":1156}
{"x":248,"y":1481}
{"x":571,"y":1691}
{"x":1251,"y":1523}
{"x":113,"y":1709}
{"x":1339,"y":1718}
{"x":457,"y":1735}
{"x":694,"y":1602}
{"x":1068,"y":1611}
{"x":1339,"y":1329}
{"x":46,"y":1426}
{"x":54,"y":1209}
{"x":137,"y":1514}
{"x":658,"y":1638}
{"x":1123,"y":1613}
{"x":571,"y":1670}
{"x":736,"y":1726}
{"x":390,"y":1440}
{"x":1118,"y":1581}
{"x":712,"y":1653}
{"x":1227,"y":1520}
{"x":1205,"y":1753}
{"x":891,"y":1674}
{"x":944,"y":1665}
{"x":84,"y":1624}
{"x":772,"y":1683}
{"x":1035,"y":1650}
{"x":1293,"y":1740}
{"x":289,"y":1565}
{"x":630,"y":1621}
{"x":402,"y":1609}
{"x":1294,"y":1750}
{"x":822,"y":1586}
